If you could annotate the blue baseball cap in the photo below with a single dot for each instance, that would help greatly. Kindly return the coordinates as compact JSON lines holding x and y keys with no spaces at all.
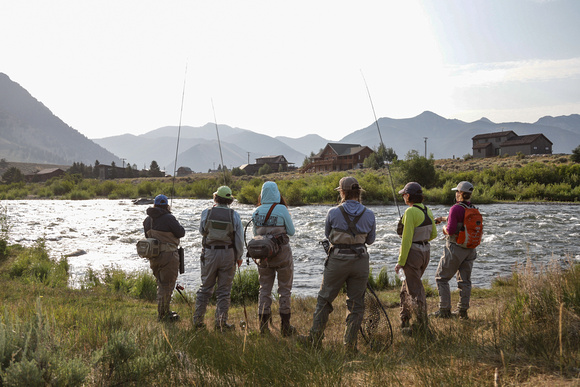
{"x":161,"y":200}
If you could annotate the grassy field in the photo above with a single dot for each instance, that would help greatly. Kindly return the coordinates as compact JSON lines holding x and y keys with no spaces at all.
{"x":522,"y":331}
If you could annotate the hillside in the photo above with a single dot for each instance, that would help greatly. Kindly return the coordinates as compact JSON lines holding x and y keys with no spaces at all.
{"x":30,"y":132}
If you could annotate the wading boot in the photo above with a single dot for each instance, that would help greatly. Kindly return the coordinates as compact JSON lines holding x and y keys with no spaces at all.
{"x":286,"y":329}
{"x":264,"y":320}
{"x":224,"y":327}
{"x":442,"y":313}
{"x":169,"y":317}
{"x":462,"y":314}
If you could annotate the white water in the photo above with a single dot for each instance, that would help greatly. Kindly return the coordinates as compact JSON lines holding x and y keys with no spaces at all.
{"x":107,"y":231}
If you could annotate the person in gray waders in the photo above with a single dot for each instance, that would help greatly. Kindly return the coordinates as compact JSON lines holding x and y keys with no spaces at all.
{"x":223,"y":246}
{"x":162,"y":225}
{"x":457,"y":260}
{"x":349,"y":227}
{"x":273,"y":218}
{"x":414,"y":255}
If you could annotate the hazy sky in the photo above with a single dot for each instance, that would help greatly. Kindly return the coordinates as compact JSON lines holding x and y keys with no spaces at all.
{"x":291,"y":67}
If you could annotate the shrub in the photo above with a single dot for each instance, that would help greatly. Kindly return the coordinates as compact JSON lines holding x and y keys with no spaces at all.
{"x":245,"y":287}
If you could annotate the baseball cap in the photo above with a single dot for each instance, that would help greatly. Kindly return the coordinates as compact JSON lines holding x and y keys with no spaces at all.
{"x":412,"y":188}
{"x":224,"y":192}
{"x":160,"y":200}
{"x":463,"y":186}
{"x":348,"y":183}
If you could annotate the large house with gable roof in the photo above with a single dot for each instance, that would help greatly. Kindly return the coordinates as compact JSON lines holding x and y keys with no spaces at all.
{"x":509,"y":143}
{"x":338,"y":157}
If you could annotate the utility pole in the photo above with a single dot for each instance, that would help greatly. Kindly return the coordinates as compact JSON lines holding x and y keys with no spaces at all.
{"x":425,"y":146}
{"x":248,"y":157}
{"x":123,"y":162}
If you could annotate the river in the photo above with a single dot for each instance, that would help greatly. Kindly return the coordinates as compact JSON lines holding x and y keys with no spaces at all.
{"x":107,"y":230}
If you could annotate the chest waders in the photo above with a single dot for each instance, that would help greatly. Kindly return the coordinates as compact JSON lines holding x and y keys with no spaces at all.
{"x":350,"y":239}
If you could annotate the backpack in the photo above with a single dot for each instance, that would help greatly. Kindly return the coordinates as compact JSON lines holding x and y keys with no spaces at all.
{"x":264,"y":246}
{"x":148,"y":248}
{"x":472,"y":231}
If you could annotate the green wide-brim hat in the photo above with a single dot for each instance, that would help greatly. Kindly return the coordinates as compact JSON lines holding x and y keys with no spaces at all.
{"x":224,"y":192}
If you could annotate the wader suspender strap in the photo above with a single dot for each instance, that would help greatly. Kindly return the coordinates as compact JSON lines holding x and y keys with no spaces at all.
{"x":427,"y":220}
{"x":351,"y":223}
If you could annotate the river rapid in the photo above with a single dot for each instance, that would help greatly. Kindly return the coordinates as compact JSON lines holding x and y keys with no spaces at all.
{"x":105,"y":233}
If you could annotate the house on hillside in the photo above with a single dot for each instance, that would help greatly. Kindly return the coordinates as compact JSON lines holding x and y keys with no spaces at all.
{"x":183,"y":171}
{"x":109,"y":171}
{"x":276,"y":163}
{"x":509,"y":143}
{"x":44,"y":175}
{"x":338,"y":157}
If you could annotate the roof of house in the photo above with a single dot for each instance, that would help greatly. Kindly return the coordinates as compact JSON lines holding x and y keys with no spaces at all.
{"x":273,"y":159}
{"x":342,"y":149}
{"x":524,"y":140}
{"x":48,"y":171}
{"x":494,"y":134}
{"x":482,"y":146}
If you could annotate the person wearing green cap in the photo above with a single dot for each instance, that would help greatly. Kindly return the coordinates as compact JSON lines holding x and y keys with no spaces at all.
{"x":272,"y":217}
{"x":223,"y":246}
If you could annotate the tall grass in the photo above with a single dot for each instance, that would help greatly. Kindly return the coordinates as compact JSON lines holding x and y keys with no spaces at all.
{"x":525,"y":329}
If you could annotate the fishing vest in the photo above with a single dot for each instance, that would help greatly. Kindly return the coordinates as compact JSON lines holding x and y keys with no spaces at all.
{"x":422,"y":232}
{"x":339,"y":237}
{"x":470,"y":231}
{"x":219,"y":227}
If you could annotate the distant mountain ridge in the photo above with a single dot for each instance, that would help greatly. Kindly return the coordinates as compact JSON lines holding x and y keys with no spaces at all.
{"x":29,"y":132}
{"x":447,"y":138}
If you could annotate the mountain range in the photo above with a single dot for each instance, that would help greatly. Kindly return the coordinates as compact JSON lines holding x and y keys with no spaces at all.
{"x":29,"y":132}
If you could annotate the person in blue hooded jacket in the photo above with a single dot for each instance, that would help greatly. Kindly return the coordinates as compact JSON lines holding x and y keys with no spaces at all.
{"x":349,"y":227}
{"x":278,"y":223}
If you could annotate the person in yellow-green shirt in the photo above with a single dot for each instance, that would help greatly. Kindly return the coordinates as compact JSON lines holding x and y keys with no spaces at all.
{"x":414,"y":255}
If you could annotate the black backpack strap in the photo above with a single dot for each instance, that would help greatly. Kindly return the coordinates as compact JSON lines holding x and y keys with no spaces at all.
{"x":427,"y":218}
{"x":351,"y":223}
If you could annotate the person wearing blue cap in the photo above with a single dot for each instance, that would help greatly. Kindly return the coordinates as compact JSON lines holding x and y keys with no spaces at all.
{"x":414,"y":255}
{"x":163,"y":226}
{"x":223,"y":246}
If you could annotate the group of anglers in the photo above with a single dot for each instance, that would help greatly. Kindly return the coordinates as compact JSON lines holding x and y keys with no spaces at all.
{"x":349,"y":227}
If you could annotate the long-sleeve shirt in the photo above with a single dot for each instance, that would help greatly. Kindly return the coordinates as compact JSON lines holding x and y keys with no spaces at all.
{"x":412,"y":218}
{"x":456,"y":215}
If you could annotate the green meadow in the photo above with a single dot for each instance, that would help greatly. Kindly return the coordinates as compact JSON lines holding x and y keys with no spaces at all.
{"x":524,"y":330}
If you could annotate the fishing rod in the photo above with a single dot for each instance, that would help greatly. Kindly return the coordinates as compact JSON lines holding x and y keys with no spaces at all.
{"x":219,"y":142}
{"x":178,"y":134}
{"x":382,"y":143}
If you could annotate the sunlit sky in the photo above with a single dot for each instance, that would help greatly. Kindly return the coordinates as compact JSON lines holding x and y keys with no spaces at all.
{"x":291,"y":68}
